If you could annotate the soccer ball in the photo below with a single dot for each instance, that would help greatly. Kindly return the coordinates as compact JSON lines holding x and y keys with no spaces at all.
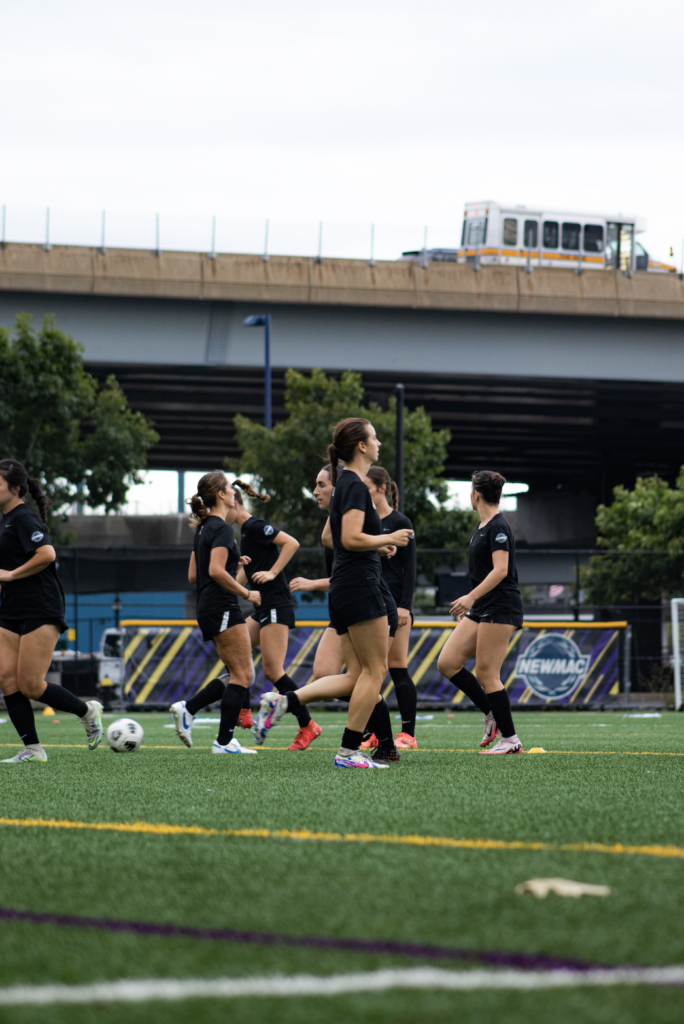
{"x":125,"y":736}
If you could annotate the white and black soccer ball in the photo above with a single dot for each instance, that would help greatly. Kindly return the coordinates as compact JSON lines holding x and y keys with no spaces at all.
{"x":125,"y":736}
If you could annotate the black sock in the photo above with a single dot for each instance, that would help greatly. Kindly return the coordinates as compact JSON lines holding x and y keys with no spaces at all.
{"x":351,"y":740}
{"x":63,"y":700}
{"x":21,"y":716}
{"x":209,"y":694}
{"x":247,"y":700}
{"x":467,"y":682}
{"x":231,"y":706}
{"x":407,"y":698}
{"x":287,"y":685}
{"x":500,"y":703}
{"x":381,"y":724}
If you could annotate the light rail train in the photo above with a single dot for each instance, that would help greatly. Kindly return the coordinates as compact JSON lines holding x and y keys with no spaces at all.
{"x":534,"y":237}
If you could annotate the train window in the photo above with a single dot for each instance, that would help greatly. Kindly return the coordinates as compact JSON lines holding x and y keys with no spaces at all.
{"x":593,"y":238}
{"x":570,"y":235}
{"x":531,"y":230}
{"x":510,"y":236}
{"x":477,"y":229}
{"x":550,"y":234}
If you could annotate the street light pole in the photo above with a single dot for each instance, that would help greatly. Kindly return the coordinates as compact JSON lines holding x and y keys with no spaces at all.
{"x":265,"y":322}
{"x":399,"y":470}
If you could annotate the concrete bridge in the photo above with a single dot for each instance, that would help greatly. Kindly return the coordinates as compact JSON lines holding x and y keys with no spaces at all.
{"x":569,"y":382}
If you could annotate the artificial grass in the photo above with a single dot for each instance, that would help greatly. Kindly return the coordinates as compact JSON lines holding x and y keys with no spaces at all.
{"x":422,"y":894}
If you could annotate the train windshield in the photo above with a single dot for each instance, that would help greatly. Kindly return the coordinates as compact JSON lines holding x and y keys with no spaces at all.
{"x":477,"y":231}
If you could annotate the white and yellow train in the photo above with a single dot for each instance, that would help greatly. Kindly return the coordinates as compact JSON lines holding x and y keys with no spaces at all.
{"x":534,"y":237}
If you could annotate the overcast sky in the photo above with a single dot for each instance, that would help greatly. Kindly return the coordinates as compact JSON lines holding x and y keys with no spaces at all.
{"x":351,"y":112}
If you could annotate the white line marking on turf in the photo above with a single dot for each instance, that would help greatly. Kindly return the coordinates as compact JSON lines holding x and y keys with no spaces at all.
{"x":172,"y":989}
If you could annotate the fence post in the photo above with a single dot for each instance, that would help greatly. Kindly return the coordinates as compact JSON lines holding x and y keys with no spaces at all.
{"x":628,"y":662}
{"x":676,"y":652}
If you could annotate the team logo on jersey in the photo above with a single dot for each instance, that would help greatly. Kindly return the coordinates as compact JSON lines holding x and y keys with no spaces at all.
{"x":501,"y":538}
{"x":553,"y":666}
{"x":35,"y":537}
{"x":268,"y":530}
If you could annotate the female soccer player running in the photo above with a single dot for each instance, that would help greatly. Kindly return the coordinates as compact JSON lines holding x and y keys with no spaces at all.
{"x":399,"y":572}
{"x":488,"y":616}
{"x":213,"y":566}
{"x":357,"y":604}
{"x":328,"y":659}
{"x":32,"y":615}
{"x":268,"y":551}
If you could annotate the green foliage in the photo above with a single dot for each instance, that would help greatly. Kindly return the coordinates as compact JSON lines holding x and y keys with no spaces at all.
{"x":649,"y":518}
{"x":288,"y":458}
{"x":54,"y":418}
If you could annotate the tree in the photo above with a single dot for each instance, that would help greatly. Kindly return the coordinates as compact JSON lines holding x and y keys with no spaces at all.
{"x":287,"y":459}
{"x":80,"y":440}
{"x":649,"y":518}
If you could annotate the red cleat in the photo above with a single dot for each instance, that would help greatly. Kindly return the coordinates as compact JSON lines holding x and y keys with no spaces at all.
{"x":372,"y":741}
{"x":306,"y":736}
{"x":245,"y":719}
{"x":405,"y":741}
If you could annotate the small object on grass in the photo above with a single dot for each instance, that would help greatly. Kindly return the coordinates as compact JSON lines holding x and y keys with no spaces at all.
{"x":646,"y":714}
{"x":541,"y":887}
{"x":419,"y":718}
{"x":2,"y":721}
{"x":55,"y":721}
{"x":47,"y":710}
{"x":536,"y":750}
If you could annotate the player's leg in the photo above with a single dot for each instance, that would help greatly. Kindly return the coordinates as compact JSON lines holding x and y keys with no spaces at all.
{"x":369,"y":640}
{"x":328,"y":660}
{"x":36,"y":650}
{"x":492,"y":643}
{"x":404,"y":687}
{"x":459,"y":648}
{"x":234,"y":648}
{"x":274,"y":639}
{"x":19,"y":707}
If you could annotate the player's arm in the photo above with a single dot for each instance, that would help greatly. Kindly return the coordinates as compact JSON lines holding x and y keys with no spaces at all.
{"x":288,"y":547}
{"x":218,"y":573}
{"x":491,"y":580}
{"x":192,"y":570}
{"x":39,"y":560}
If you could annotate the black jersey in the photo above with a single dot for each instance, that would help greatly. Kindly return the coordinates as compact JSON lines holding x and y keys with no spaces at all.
{"x":214,"y":533}
{"x":496,"y":535}
{"x":400,"y":570}
{"x":329,"y":560}
{"x":256,"y":541}
{"x":351,"y":568}
{"x":40,"y":596}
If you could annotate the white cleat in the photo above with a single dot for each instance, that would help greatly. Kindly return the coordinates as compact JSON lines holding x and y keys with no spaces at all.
{"x":510,"y":745}
{"x":357,"y":760}
{"x":272,"y":708}
{"x":92,"y":721}
{"x":234,"y":747}
{"x":491,"y":730}
{"x":26,"y":755}
{"x":183,"y":721}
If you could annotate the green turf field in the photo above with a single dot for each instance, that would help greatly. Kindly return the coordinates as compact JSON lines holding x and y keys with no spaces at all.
{"x":606,"y":779}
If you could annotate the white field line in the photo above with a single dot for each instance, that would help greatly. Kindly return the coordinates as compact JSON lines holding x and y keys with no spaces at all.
{"x":171,"y":989}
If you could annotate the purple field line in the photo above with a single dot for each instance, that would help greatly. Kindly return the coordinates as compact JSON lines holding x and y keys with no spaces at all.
{"x":530,"y":961}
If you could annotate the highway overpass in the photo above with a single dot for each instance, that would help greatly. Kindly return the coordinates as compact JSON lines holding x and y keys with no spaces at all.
{"x":561,"y":380}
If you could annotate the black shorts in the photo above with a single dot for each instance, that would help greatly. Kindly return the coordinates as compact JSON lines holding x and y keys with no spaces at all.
{"x":505,"y":610}
{"x":267,"y":616}
{"x":24,"y":626}
{"x":216,"y":622}
{"x":347,"y":607}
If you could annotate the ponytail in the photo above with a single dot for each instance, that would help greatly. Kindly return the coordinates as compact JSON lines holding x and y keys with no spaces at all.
{"x":207,"y":491}
{"x":381,"y":478}
{"x":15,"y":475}
{"x":346,"y":436}
{"x":248,"y":489}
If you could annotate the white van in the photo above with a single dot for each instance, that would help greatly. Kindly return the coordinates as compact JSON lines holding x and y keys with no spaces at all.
{"x":535,"y":237}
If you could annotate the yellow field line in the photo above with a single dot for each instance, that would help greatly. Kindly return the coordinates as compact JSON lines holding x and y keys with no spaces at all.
{"x":163,"y":665}
{"x":161,"y":829}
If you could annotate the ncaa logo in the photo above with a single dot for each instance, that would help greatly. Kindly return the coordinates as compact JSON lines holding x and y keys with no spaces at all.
{"x":553,"y":666}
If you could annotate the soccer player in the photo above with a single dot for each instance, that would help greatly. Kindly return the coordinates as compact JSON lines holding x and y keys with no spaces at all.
{"x":357,"y":604}
{"x":399,"y":572}
{"x":32,"y":615}
{"x":213,"y":567}
{"x":328,"y":659}
{"x":487,"y":616}
{"x":268,"y":551}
